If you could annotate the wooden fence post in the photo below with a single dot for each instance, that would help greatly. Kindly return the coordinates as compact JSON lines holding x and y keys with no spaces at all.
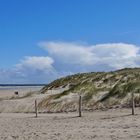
{"x":80,"y":106}
{"x":36,"y":108}
{"x":133,"y":104}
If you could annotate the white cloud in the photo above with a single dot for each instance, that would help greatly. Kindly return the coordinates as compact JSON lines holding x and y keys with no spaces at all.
{"x":64,"y":58}
{"x":36,"y":63}
{"x":69,"y":52}
{"x":116,"y":49}
{"x":94,"y":57}
{"x":31,"y":69}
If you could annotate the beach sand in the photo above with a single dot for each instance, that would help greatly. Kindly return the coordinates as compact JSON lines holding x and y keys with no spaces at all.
{"x":98,"y":125}
{"x":22,"y":103}
{"x":114,"y":124}
{"x":9,"y":91}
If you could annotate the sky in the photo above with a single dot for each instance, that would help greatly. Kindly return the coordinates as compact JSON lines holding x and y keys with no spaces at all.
{"x":42,"y":40}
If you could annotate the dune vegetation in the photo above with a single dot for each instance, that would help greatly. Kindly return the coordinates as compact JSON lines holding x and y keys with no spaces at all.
{"x":99,"y":90}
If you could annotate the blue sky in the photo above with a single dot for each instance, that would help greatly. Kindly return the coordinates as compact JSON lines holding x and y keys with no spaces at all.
{"x":35,"y":32}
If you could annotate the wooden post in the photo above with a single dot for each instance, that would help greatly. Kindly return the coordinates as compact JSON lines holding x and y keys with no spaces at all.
{"x":36,"y":108}
{"x":80,"y":106}
{"x":133,"y":104}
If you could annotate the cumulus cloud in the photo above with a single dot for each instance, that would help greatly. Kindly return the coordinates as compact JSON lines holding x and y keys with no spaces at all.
{"x":31,"y":69}
{"x":115,"y":50}
{"x":36,"y":63}
{"x":109,"y":56}
{"x":64,"y":58}
{"x":71,"y":53}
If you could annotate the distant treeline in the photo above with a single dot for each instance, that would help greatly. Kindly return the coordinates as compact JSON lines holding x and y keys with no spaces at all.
{"x":5,"y":85}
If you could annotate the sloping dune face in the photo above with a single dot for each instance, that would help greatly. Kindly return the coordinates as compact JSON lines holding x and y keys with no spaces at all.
{"x":99,"y":90}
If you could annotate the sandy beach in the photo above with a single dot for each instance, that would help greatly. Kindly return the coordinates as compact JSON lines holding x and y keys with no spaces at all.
{"x":98,"y":125}
{"x":9,"y":91}
{"x":113,"y":124}
{"x":21,"y":103}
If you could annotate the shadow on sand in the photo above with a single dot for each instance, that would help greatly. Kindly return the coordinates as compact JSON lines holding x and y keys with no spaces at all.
{"x":121,"y":116}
